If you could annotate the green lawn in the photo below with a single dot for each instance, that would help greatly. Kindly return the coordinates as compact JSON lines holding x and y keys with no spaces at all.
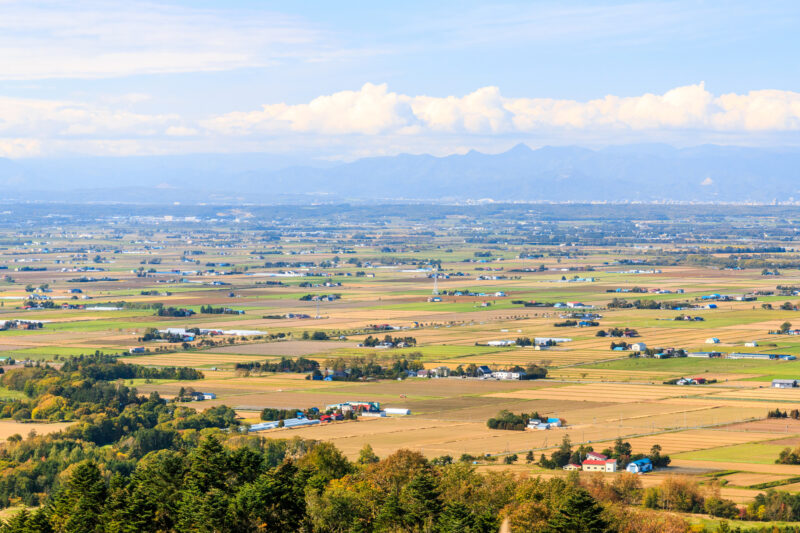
{"x":449,"y":307}
{"x":8,"y":394}
{"x":697,"y":365}
{"x":435,"y":353}
{"x":764,"y":454}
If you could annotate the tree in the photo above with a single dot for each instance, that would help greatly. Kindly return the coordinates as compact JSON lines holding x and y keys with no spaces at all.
{"x":580,"y":513}
{"x":656,"y":458}
{"x":456,"y":517}
{"x":323,"y":463}
{"x":367,"y":456}
{"x":78,"y":505}
{"x":627,"y":487}
{"x":275,"y":498}
{"x":421,"y":501}
{"x":562,"y":456}
{"x":786,"y":326}
{"x":27,"y":522}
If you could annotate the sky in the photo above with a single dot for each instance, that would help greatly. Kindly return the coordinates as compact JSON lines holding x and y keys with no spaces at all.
{"x":344,"y":80}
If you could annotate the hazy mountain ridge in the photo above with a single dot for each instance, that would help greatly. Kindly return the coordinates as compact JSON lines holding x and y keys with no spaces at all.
{"x":619,"y":173}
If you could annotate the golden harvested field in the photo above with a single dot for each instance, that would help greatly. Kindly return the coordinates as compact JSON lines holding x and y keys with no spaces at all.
{"x":286,"y":348}
{"x":10,"y":427}
{"x":699,"y":439}
{"x":745,"y":479}
{"x":192,"y":359}
{"x":610,"y":392}
{"x":767,"y":393}
{"x":777,"y":426}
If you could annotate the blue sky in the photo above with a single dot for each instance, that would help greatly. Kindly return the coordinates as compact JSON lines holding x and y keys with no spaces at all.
{"x":347,"y":79}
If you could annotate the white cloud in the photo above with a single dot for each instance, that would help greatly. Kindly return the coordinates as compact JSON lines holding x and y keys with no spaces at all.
{"x":14,"y":148}
{"x":102,"y":38}
{"x":53,"y":118}
{"x":707,"y":182}
{"x":374,"y":110}
{"x":370,"y":111}
{"x":180,"y":131}
{"x":375,"y":120}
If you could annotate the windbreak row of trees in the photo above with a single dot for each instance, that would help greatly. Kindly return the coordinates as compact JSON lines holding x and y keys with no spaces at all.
{"x":245,"y":484}
{"x":621,"y":451}
{"x":232,"y":482}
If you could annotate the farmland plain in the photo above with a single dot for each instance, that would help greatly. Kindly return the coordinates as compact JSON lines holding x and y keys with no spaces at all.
{"x":100,"y":291}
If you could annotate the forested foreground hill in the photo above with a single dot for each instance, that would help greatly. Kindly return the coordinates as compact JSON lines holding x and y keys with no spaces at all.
{"x":142,"y":464}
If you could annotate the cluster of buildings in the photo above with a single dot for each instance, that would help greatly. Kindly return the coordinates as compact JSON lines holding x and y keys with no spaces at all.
{"x":739,"y":355}
{"x":784,"y":383}
{"x":636,"y":347}
{"x":573,"y":305}
{"x":540,"y":425}
{"x":597,"y":462}
{"x":300,"y":421}
{"x":438,"y":372}
{"x":635,"y":271}
{"x":691,"y":381}
{"x":366,"y":409}
{"x":200,"y":396}
{"x":729,"y":298}
{"x":184,"y":333}
{"x":645,"y":291}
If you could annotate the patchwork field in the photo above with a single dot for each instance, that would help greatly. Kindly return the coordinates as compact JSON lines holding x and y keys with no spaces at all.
{"x":318,"y":293}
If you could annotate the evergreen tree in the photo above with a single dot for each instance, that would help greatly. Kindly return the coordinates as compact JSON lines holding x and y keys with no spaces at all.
{"x":367,"y":456}
{"x":276,"y":498}
{"x":580,"y":513}
{"x":421,"y":501}
{"x":79,"y":504}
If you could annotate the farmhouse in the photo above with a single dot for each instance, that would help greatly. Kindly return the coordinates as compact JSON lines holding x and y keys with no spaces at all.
{"x":712,"y":340}
{"x":640,"y":466}
{"x":765,"y":356}
{"x":597,"y":462}
{"x":136,"y":349}
{"x":638,"y":346}
{"x":501,"y":343}
{"x":440,"y":371}
{"x":354,"y":406}
{"x":578,"y":305}
{"x":507,"y":375}
{"x":784,"y":383}
{"x":484,"y":371}
{"x":572,"y":467}
{"x":397,"y":411}
{"x":200,"y":396}
{"x":704,"y":354}
{"x":288,"y":423}
{"x":550,"y":340}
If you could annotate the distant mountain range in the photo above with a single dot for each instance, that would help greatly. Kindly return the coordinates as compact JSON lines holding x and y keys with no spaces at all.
{"x":645,"y":173}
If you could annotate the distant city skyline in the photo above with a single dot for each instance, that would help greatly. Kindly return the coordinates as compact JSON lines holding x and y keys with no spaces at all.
{"x":347,"y":80}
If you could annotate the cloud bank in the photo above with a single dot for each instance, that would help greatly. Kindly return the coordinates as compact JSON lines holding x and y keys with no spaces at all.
{"x":375,"y":120}
{"x":104,"y":39}
{"x":374,"y":110}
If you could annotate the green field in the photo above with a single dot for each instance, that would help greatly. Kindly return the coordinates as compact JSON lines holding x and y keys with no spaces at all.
{"x":699,"y":365}
{"x":742,"y":453}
